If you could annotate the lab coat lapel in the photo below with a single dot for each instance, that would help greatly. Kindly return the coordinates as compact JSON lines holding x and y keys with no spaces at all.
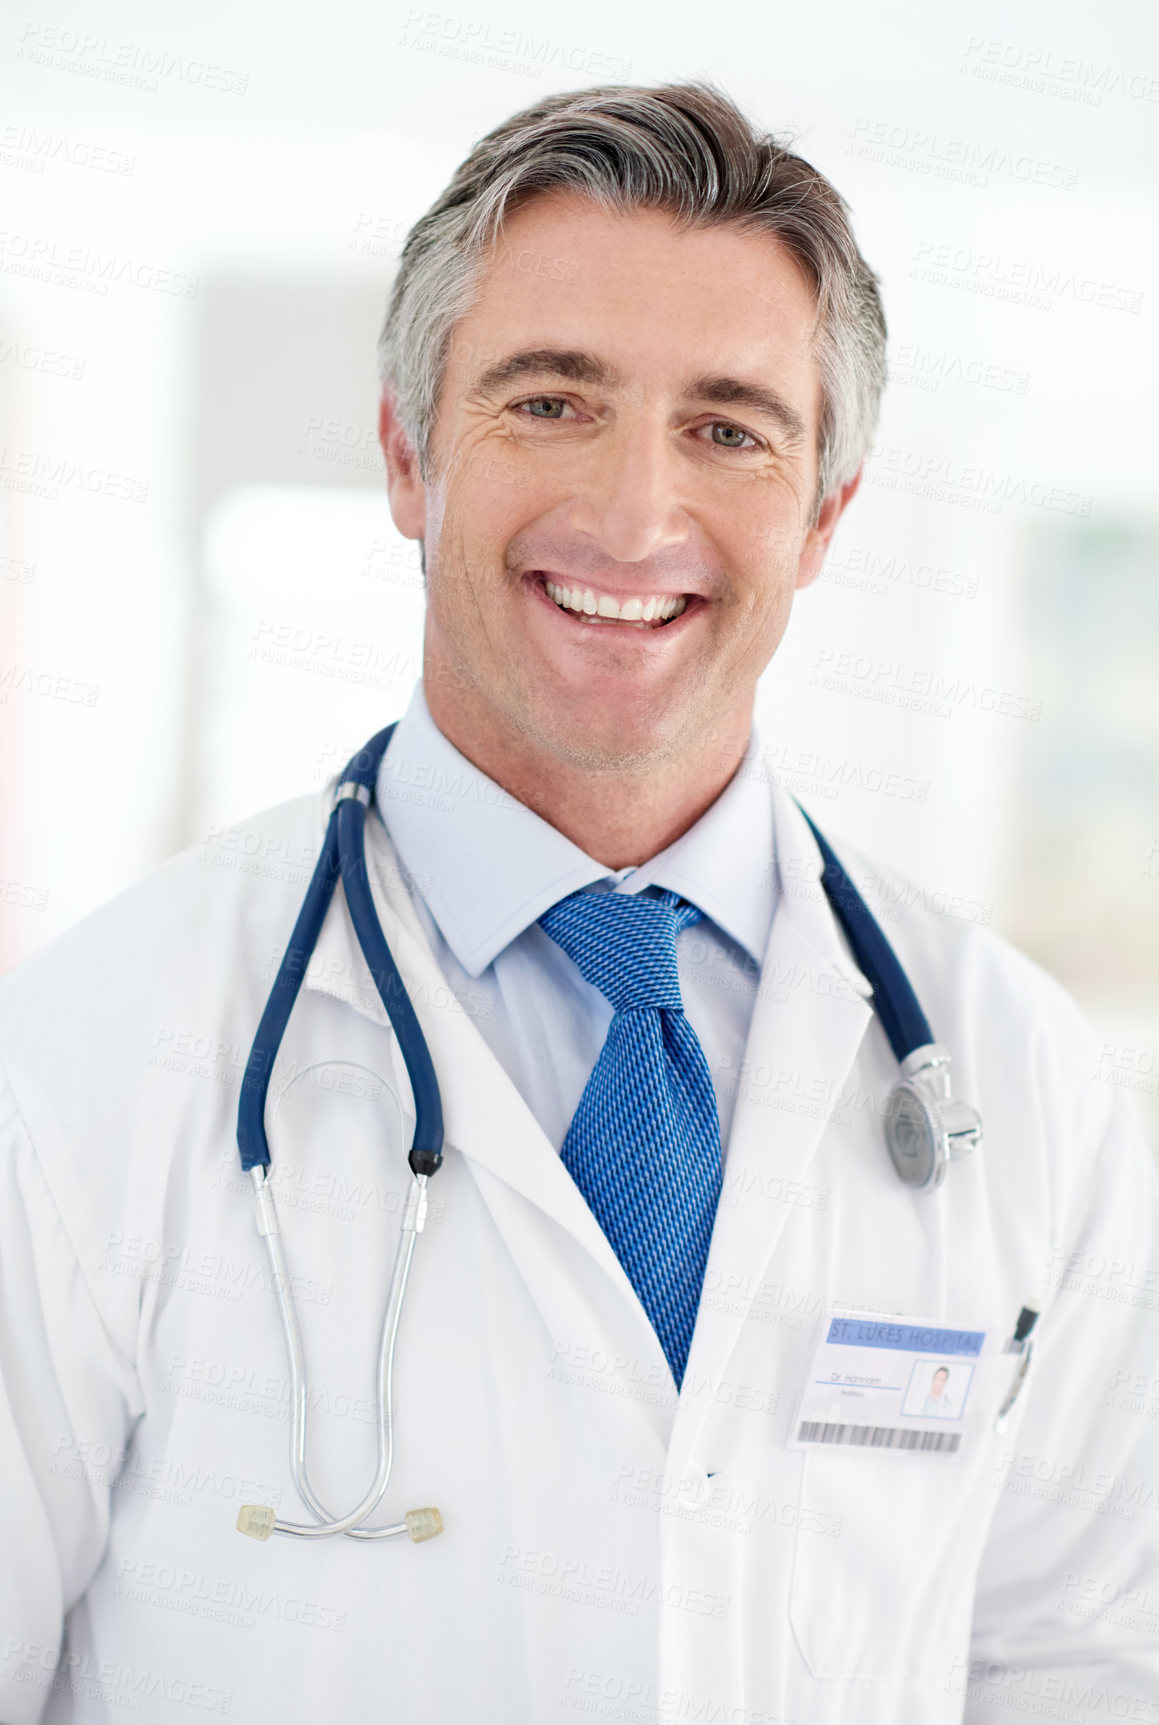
{"x":485,"y":1117}
{"x":810,"y":1017}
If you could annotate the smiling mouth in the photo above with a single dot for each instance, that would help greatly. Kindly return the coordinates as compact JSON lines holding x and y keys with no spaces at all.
{"x":643,"y":611}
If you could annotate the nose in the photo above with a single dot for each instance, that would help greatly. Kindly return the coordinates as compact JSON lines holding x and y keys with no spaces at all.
{"x":628,"y":502}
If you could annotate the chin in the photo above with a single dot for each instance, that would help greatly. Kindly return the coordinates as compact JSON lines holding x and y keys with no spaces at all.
{"x":602,"y":737}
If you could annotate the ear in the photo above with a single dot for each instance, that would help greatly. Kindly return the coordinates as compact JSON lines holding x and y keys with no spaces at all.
{"x":404,"y":486}
{"x":816,"y":546}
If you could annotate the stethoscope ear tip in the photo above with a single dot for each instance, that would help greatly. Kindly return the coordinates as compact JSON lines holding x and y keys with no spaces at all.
{"x":423,"y":1524}
{"x":256,"y":1520}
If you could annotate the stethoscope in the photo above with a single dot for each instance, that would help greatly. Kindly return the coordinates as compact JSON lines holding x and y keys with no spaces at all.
{"x":925,"y":1128}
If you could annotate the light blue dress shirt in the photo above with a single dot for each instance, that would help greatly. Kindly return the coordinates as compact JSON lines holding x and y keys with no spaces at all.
{"x":482,"y":868}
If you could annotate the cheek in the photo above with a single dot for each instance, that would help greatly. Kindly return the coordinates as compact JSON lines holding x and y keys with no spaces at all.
{"x":766,"y":563}
{"x":466,"y":574}
{"x":449,"y":586}
{"x":759,"y":622}
{"x":762,"y":531}
{"x":482,"y":504}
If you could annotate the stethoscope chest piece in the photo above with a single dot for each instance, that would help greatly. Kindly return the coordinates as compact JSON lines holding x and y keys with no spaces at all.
{"x":925,"y":1128}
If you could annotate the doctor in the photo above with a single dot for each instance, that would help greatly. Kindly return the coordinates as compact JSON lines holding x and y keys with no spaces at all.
{"x":631,"y":369}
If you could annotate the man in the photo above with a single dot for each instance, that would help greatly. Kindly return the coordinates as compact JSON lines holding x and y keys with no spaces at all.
{"x":937,"y":1402}
{"x":631,"y":370}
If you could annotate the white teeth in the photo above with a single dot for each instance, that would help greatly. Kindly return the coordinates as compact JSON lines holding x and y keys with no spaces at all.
{"x":602,"y":605}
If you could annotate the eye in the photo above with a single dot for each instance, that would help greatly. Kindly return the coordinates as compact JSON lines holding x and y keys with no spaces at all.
{"x":543,"y":407}
{"x":728,"y":436}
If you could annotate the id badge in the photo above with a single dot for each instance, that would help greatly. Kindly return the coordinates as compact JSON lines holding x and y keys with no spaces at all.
{"x":889,"y":1384}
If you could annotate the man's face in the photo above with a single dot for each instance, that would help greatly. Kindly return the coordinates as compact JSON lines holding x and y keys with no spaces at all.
{"x":622,"y":487}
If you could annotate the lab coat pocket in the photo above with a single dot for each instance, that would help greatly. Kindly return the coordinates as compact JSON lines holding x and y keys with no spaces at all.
{"x":883,"y":1597}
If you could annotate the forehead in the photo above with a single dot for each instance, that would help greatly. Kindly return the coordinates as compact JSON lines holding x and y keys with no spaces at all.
{"x":655,"y":298}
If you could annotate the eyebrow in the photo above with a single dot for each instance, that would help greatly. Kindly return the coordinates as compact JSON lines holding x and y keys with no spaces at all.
{"x":732,"y":392}
{"x":570,"y":363}
{"x":576,"y":366}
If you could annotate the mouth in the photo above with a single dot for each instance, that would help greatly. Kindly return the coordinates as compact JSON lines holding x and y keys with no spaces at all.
{"x":591,"y":605}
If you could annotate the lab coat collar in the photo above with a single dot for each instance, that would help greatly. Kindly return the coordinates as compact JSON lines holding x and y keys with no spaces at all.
{"x":339,"y":969}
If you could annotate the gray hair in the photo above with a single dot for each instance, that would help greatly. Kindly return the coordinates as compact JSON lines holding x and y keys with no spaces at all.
{"x":683,"y":148}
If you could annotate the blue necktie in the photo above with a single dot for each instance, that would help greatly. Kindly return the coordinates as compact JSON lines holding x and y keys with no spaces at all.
{"x":644,"y":1146}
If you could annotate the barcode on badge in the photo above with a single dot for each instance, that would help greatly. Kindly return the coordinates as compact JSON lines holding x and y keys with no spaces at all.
{"x":878,"y":1437}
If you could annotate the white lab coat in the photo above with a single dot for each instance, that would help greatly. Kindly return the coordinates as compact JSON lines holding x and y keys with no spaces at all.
{"x":609,"y":1551}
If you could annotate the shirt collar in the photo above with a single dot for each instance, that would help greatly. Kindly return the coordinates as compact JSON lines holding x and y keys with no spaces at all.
{"x":724,"y":864}
{"x":488,"y":867}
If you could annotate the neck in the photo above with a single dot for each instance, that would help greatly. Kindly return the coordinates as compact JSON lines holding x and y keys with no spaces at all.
{"x":619,"y":816}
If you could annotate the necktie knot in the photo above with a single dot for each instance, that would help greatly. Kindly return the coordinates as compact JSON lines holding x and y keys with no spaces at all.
{"x":624,"y":945}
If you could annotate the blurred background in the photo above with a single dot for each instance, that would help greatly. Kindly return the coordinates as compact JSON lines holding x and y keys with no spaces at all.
{"x":203,"y":603}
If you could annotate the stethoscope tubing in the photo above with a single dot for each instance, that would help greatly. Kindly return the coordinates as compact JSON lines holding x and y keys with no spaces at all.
{"x":326,"y":1524}
{"x":894,"y":1001}
{"x":426,"y":1153}
{"x":343,"y":856}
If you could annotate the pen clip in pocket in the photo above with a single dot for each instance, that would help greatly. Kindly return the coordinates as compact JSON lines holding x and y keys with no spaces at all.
{"x":1022,"y":1344}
